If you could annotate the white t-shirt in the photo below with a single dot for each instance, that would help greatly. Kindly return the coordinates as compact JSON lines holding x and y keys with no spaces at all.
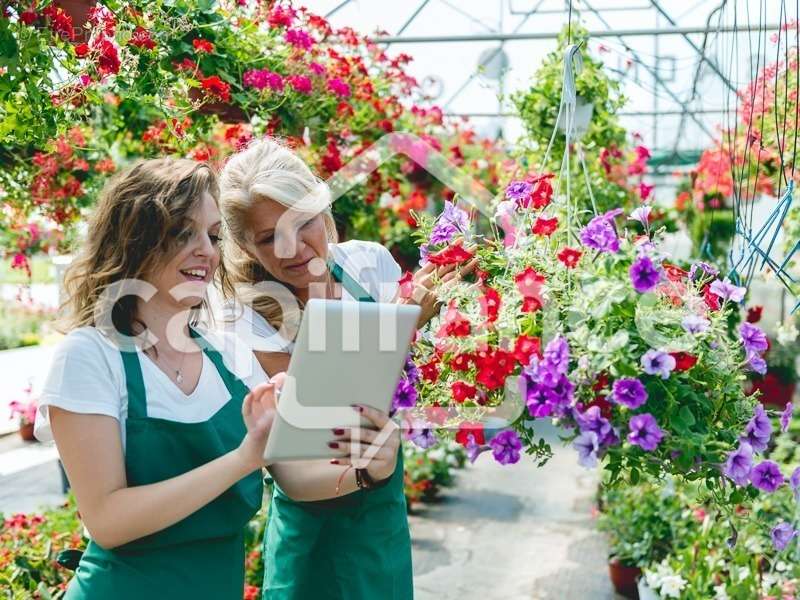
{"x":87,"y":376}
{"x":369,"y":263}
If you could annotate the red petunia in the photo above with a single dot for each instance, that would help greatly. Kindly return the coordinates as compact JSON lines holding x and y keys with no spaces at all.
{"x":406,"y":284}
{"x":216,"y":87}
{"x":541,"y":192}
{"x":529,"y":283}
{"x":436,"y":414}
{"x":468,"y":428}
{"x":525,"y":347}
{"x":544,"y":226}
{"x":494,"y":366}
{"x":570,"y":257}
{"x":461,"y":362}
{"x":202,"y":46}
{"x":490,"y":304}
{"x":454,"y":254}
{"x":454,"y":324}
{"x":430,"y":371}
{"x":712,"y":300}
{"x":463,"y":391}
{"x":683,"y":360}
{"x":754,"y":314}
{"x":674,"y":273}
{"x":141,"y":39}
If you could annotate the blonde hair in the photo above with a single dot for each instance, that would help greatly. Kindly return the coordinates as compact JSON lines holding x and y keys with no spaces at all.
{"x":265,"y":169}
{"x":137,"y":222}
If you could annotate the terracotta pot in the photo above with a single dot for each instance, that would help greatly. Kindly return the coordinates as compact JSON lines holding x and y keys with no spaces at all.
{"x":623,"y":578}
{"x":774,"y":391}
{"x":227,"y":113}
{"x":26,"y":432}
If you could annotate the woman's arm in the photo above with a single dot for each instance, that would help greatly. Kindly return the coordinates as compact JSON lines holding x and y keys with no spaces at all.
{"x":91,"y":451}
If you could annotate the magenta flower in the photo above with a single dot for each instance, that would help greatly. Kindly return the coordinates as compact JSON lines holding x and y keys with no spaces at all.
{"x":739,"y":464}
{"x":262,"y":78}
{"x":782,"y":534}
{"x":339,"y":87}
{"x":316,"y":68}
{"x":505,"y":447}
{"x":767,"y":476}
{"x":299,"y":39}
{"x":645,"y":432}
{"x":629,"y":392}
{"x":644,"y":275}
{"x":786,"y":417}
{"x":656,"y":362}
{"x":300,"y":83}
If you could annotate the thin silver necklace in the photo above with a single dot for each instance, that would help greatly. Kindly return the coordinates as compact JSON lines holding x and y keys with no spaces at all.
{"x":178,"y":372}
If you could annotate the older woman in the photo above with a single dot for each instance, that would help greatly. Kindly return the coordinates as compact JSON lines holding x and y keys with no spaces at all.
{"x":333,"y":532}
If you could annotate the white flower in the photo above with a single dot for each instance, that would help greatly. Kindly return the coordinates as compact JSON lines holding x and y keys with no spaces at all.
{"x":672,"y":585}
{"x":720,"y":593}
{"x":787,"y":333}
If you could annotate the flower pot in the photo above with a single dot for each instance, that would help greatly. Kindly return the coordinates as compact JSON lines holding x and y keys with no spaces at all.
{"x":623,"y":578}
{"x":774,"y":392}
{"x":26,"y":432}
{"x":645,"y":591}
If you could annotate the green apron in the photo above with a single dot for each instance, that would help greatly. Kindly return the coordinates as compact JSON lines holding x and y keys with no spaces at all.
{"x":201,"y":556}
{"x":355,"y":547}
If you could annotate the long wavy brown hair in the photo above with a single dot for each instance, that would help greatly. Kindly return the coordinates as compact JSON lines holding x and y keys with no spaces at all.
{"x":137,"y":224}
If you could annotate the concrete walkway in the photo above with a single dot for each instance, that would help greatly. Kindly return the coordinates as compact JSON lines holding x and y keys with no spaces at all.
{"x":514,"y":532}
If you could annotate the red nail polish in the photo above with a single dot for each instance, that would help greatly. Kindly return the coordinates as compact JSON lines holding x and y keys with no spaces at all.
{"x":334,"y":461}
{"x":333,"y":445}
{"x":338,"y":431}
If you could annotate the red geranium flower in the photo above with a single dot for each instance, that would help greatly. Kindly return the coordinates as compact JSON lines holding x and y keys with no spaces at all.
{"x":202,"y":46}
{"x":81,"y":50}
{"x":216,"y":87}
{"x":525,"y":347}
{"x":683,"y":360}
{"x":468,"y":428}
{"x":544,"y":226}
{"x":490,"y":304}
{"x":754,"y":314}
{"x":430,"y":371}
{"x":60,"y":22}
{"x":463,"y":391}
{"x":570,"y":257}
{"x":461,"y":362}
{"x":28,"y":17}
{"x":108,"y":59}
{"x":141,"y":39}
{"x":455,"y":324}
{"x":436,"y":414}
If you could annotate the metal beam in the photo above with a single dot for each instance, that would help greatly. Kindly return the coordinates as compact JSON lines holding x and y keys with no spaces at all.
{"x":702,"y":53}
{"x":337,"y":8}
{"x":634,"y":113}
{"x":408,"y":21}
{"x":555,"y":11}
{"x":513,"y":37}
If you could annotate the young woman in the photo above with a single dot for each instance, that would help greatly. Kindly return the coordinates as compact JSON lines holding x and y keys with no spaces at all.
{"x":333,"y":531}
{"x":161,"y":441}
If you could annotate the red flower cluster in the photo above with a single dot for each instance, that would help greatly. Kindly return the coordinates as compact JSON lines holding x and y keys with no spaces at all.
{"x":490,"y":304}
{"x":455,"y":254}
{"x":454,"y":324}
{"x":202,"y":46}
{"x":525,"y":347}
{"x":463,"y":391}
{"x":544,"y":226}
{"x":494,"y":366}
{"x":468,"y":428}
{"x":430,"y":371}
{"x":60,"y":22}
{"x":214,"y":86}
{"x":541,"y":192}
{"x":108,"y":57}
{"x":141,"y":39}
{"x":529,"y":283}
{"x":570,"y":257}
{"x":683,"y":361}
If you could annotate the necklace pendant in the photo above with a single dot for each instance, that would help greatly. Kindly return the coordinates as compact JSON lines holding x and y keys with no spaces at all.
{"x":179,"y":376}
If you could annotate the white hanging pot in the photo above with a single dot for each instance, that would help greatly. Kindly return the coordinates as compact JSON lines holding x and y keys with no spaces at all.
{"x":645,"y":591}
{"x":584,"y":110}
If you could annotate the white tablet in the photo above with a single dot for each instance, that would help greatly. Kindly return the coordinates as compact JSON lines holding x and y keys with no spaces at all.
{"x":345,"y":353}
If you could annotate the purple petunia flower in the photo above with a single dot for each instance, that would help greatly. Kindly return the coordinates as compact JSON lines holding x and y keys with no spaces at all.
{"x":451,"y":221}
{"x":505,"y":447}
{"x":600,"y":233}
{"x":753,"y":338}
{"x":405,"y":395}
{"x":758,"y":430}
{"x":629,"y":392}
{"x":739,"y":464}
{"x":767,"y":476}
{"x":786,"y":417}
{"x":518,"y":191}
{"x":587,"y":446}
{"x":645,"y":432}
{"x":756,"y":363}
{"x":544,"y":384}
{"x":593,"y":420}
{"x":727,"y":291}
{"x":794,"y":483}
{"x":656,"y":362}
{"x":695,"y":324}
{"x":782,"y":534}
{"x":644,"y":274}
{"x":474,"y":450}
{"x":641,"y":214}
{"x":421,"y":434}
{"x":556,"y":355}
{"x":705,"y":268}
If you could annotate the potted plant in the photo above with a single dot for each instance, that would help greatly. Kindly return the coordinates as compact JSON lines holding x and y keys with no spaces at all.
{"x":777,"y":386}
{"x":25,"y":411}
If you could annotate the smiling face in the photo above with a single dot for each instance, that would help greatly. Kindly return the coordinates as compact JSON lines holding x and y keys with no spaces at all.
{"x":286,"y":252}
{"x":184,"y":275}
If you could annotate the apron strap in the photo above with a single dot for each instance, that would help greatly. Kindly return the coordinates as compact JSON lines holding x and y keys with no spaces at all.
{"x":232,"y":382}
{"x":355,"y":289}
{"x":137,"y":405}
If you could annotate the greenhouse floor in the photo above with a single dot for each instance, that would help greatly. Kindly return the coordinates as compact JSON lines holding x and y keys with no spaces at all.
{"x":505,"y":532}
